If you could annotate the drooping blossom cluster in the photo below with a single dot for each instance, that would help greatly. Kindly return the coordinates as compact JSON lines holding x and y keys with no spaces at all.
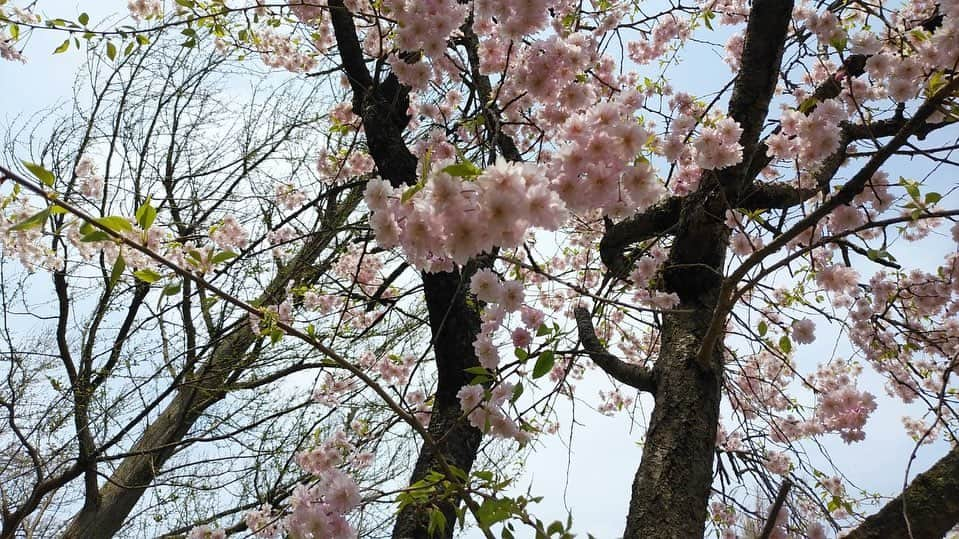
{"x":317,"y":509}
{"x":90,"y":183}
{"x":426,"y":26}
{"x":289,"y":197}
{"x":716,"y":146}
{"x":601,"y":165}
{"x":7,"y":49}
{"x":490,"y":414}
{"x":840,"y":407}
{"x":803,"y":331}
{"x":281,"y":52}
{"x":145,"y":9}
{"x":451,"y":219}
{"x":658,"y":41}
{"x":229,"y":234}
{"x":808,"y":138}
{"x":24,"y":242}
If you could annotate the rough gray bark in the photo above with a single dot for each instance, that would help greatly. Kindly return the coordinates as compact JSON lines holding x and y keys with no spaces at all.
{"x":671,"y":488}
{"x":124,"y":488}
{"x":928,"y":508}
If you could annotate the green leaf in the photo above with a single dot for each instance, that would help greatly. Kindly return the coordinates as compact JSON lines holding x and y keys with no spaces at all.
{"x":763,"y":328}
{"x":458,"y":473}
{"x":463,"y":169}
{"x":480,"y":380}
{"x":493,"y":510}
{"x":111,"y":50}
{"x":145,"y":215}
{"x":785,"y":344}
{"x":115,"y":223}
{"x":521,"y":354}
{"x":544,"y":363}
{"x":147,"y":275}
{"x":409,"y":193}
{"x":117,"y":271}
{"x":543,"y":330}
{"x":95,"y":235}
{"x":485,"y":475}
{"x":14,"y":31}
{"x":142,"y":40}
{"x":33,"y":221}
{"x":517,"y":392}
{"x":808,"y":105}
{"x":222,"y":257}
{"x":932,"y":198}
{"x":478,"y":370}
{"x":186,"y":3}
{"x":63,"y":47}
{"x":437,"y":523}
{"x":40,"y":173}
{"x":84,"y":19}
{"x":171,"y":289}
{"x":839,"y":43}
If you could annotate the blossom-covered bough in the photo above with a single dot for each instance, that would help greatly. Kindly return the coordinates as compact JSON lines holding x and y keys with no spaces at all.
{"x":563,"y":194}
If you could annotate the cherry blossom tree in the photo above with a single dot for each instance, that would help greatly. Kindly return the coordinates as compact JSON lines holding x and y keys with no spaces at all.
{"x":548,"y":191}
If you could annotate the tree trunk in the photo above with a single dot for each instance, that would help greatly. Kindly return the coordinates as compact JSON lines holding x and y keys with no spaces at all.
{"x":671,"y":489}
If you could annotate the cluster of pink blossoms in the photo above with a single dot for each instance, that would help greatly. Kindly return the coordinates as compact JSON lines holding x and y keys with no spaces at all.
{"x":426,"y":25}
{"x":667,"y":30}
{"x":808,"y":138}
{"x":24,"y":243}
{"x":145,"y":9}
{"x":501,"y":299}
{"x":229,"y":234}
{"x":489,"y":415}
{"x":452,"y":219}
{"x":841,"y":407}
{"x":282,"y":52}
{"x":289,"y":197}
{"x":318,"y":510}
{"x":600,"y":166}
{"x":91,"y":183}
{"x":7,"y":50}
{"x":716,"y":147}
{"x":645,"y":270}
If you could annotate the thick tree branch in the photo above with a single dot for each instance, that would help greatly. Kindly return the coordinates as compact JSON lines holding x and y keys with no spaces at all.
{"x":928,"y":507}
{"x":766,"y":31}
{"x":655,"y":221}
{"x":627,"y":373}
{"x":381,"y":106}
